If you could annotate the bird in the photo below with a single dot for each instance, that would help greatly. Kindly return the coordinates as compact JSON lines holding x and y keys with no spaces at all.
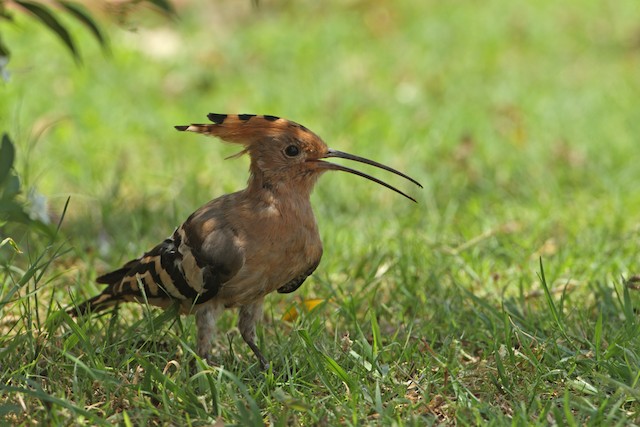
{"x":238,"y":248}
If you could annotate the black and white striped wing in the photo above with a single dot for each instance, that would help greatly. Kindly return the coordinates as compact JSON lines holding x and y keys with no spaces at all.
{"x":175,"y":270}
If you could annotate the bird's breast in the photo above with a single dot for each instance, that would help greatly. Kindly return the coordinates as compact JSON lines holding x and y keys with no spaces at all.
{"x":277,"y":252}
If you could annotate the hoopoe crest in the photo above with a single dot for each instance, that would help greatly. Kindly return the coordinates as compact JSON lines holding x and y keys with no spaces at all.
{"x":239,"y":247}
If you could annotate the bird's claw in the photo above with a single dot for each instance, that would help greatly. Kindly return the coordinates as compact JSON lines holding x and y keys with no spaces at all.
{"x":210,"y":360}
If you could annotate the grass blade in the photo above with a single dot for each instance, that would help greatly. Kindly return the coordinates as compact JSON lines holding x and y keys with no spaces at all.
{"x":598,"y":337}
{"x":549,"y":298}
{"x":37,"y":392}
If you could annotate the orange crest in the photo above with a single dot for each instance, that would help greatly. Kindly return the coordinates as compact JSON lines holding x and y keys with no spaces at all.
{"x":247,"y":128}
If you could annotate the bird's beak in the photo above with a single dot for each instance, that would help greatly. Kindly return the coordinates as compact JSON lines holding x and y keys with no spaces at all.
{"x":343,"y":155}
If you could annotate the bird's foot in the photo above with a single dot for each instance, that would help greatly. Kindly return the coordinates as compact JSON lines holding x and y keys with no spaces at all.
{"x":264,"y":363}
{"x":210,"y":360}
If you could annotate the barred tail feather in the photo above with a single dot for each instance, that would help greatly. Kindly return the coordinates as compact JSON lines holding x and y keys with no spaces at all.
{"x":94,"y":305}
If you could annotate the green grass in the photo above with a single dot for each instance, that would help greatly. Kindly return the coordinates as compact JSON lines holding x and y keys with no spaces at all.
{"x":500,"y":298}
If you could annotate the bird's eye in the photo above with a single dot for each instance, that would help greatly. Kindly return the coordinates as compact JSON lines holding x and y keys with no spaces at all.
{"x":292,"y":150}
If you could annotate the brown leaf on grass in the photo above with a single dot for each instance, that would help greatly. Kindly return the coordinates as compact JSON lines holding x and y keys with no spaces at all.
{"x":218,"y":423}
{"x":548,"y":248}
{"x":567,"y":286}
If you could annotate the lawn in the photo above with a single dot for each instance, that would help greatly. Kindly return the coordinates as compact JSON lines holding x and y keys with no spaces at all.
{"x":504,"y":296}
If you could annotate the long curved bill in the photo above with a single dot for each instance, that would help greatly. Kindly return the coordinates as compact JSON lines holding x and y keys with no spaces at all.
{"x":343,"y":155}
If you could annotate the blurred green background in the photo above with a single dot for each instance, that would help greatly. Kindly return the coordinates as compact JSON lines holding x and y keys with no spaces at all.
{"x":508,"y":107}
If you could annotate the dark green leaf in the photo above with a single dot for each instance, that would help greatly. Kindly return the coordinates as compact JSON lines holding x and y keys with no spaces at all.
{"x":47,"y":18}
{"x":7,"y":155}
{"x":4,"y":51}
{"x":81,"y":14}
{"x":11,"y":188}
{"x":163,"y":5}
{"x":13,"y":212}
{"x":4,"y":14}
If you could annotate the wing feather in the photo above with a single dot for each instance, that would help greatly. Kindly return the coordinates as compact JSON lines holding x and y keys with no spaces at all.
{"x":190,"y":266}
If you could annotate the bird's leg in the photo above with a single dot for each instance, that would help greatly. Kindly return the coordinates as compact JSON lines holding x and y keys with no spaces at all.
{"x":249,"y":315}
{"x":206,"y":317}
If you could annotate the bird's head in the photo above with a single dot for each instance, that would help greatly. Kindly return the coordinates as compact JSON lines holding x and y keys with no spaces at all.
{"x":283,"y":151}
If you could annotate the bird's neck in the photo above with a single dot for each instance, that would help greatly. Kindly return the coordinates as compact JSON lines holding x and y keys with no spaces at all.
{"x":280,"y":208}
{"x":285,"y":192}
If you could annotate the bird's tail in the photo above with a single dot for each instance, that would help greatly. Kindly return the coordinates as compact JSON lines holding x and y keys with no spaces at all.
{"x":94,"y":305}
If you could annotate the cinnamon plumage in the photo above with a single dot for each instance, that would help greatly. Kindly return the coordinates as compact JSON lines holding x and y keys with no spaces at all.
{"x":238,"y":248}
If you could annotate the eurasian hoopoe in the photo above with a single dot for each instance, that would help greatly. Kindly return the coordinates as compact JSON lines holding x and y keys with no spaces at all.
{"x":238,"y":248}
